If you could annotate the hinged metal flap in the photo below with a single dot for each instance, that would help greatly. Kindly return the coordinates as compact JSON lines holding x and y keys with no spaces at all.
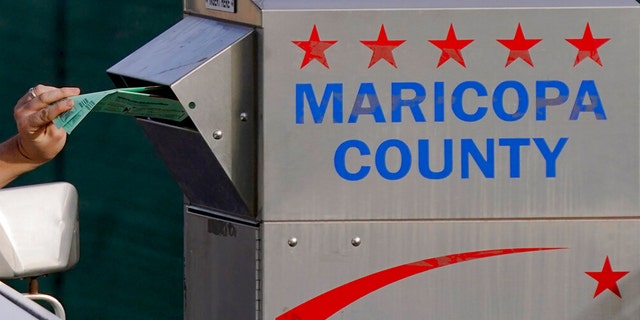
{"x":175,"y":53}
{"x":209,"y":66}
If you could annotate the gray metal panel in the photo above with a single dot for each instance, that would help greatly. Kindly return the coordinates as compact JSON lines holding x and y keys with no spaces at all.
{"x":187,"y":45}
{"x":220,"y":269}
{"x":380,"y":4}
{"x":196,"y":170}
{"x":595,"y":174}
{"x":220,"y":98}
{"x":499,"y":284}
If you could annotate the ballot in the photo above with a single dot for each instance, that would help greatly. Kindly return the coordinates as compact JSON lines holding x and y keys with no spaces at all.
{"x":139,"y":101}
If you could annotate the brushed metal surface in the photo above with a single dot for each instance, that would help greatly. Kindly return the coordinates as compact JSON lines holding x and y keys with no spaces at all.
{"x":595,"y":174}
{"x":549,"y":284}
{"x":210,"y":67}
{"x":405,"y":4}
{"x":220,"y":268}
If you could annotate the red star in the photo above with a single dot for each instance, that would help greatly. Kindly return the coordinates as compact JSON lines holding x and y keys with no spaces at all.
{"x":314,"y":48}
{"x":519,"y":47}
{"x":451,"y":47}
{"x":588,"y":46}
{"x":382,"y":48}
{"x":607,"y":279}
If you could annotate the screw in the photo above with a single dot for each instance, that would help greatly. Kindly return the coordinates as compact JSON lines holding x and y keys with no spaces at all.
{"x":192,"y":105}
{"x":292,"y":242}
{"x":356,"y":241}
{"x":244,"y":117}
{"x":217,"y":134}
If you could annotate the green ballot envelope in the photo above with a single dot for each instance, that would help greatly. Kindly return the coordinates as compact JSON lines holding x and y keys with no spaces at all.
{"x":141,"y":101}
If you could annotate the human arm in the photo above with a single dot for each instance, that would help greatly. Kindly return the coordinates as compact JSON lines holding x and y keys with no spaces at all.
{"x":38,"y":139}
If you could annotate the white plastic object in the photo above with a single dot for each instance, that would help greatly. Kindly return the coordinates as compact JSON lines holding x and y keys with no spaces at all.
{"x":58,"y":309}
{"x":39,"y":229}
{"x":15,"y":306}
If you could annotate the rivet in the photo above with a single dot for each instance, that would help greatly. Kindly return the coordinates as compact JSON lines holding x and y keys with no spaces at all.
{"x":356,"y":241}
{"x":217,"y":134}
{"x":293,"y":242}
{"x":244,"y":116}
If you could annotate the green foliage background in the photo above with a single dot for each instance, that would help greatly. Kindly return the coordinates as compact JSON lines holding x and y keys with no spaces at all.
{"x":131,"y":261}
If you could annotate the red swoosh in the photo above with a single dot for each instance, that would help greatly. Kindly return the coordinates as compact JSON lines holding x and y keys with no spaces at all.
{"x":332,"y":301}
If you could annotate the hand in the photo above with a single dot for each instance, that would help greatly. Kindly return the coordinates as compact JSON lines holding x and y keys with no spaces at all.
{"x":39,"y":140}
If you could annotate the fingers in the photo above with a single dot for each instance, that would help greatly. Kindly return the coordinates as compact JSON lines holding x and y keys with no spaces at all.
{"x":50,"y":96}
{"x":46,"y":115}
{"x":58,"y":108}
{"x":39,"y":106}
{"x":41,"y":96}
{"x":33,"y":93}
{"x":38,"y":137}
{"x":44,"y":96}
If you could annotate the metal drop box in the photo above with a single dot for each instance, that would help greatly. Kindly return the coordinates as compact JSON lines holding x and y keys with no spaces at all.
{"x":396,"y":159}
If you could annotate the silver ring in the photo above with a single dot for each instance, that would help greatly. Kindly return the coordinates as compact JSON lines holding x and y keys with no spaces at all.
{"x":32,"y":93}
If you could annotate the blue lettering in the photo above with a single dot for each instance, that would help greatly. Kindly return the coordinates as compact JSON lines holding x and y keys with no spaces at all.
{"x":369,"y":91}
{"x":469,"y":152}
{"x":412,"y":95}
{"x":414,"y":103}
{"x":588,"y":88}
{"x":514,"y":145}
{"x":550,"y":156}
{"x":457,"y":99}
{"x":381,"y":159}
{"x":438,"y":102}
{"x":339,"y":160}
{"x":424,"y":160}
{"x":318,"y":110}
{"x":542,"y":101}
{"x":486,"y":165}
{"x":498,"y":100}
